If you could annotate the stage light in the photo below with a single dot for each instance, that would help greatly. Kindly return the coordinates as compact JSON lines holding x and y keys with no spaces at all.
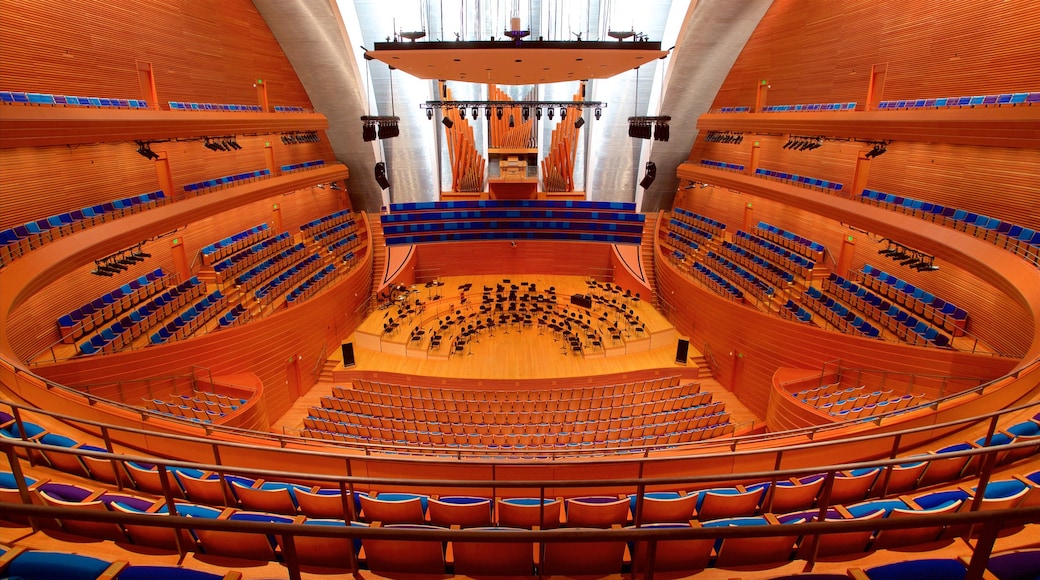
{"x":579,"y":123}
{"x":487,"y":113}
{"x":599,"y":113}
{"x":651,"y":174}
{"x":563,"y":113}
{"x":498,"y":113}
{"x":511,"y":122}
{"x":538,"y":113}
{"x":474,"y":112}
{"x":368,"y":132}
{"x":661,"y":132}
{"x":525,"y":113}
{"x":429,"y":113}
{"x":447,"y":122}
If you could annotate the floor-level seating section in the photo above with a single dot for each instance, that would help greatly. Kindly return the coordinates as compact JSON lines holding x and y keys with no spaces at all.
{"x":1021,"y":241}
{"x":292,"y":275}
{"x":304,"y":165}
{"x":230,"y":267}
{"x":815,"y":107}
{"x":839,"y":315}
{"x":758,"y":288}
{"x":733,"y":110}
{"x":787,"y":259}
{"x":263,"y":271}
{"x":803,"y":179}
{"x":793,"y":311}
{"x":311,"y":285}
{"x":19,"y":240}
{"x":965,"y":101}
{"x":204,"y":406}
{"x":898,"y":321}
{"x":226,"y":180}
{"x":792,"y":241}
{"x":234,"y":243}
{"x":846,"y":403}
{"x":139,"y":321}
{"x":722,"y":165}
{"x":326,"y":222}
{"x":716,"y":283}
{"x":686,"y":216}
{"x":917,"y":301}
{"x":772,"y":273}
{"x":12,"y":97}
{"x":225,"y":107}
{"x":591,"y":221}
{"x":103,"y":309}
{"x":289,"y":109}
{"x":192,"y":319}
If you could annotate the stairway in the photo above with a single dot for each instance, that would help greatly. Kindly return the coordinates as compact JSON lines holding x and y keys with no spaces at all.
{"x":326,"y":371}
{"x":378,"y":253}
{"x":646,"y":250}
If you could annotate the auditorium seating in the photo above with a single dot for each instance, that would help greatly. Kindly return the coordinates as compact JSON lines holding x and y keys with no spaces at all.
{"x":1019,"y":240}
{"x":311,"y":285}
{"x":412,"y":223}
{"x":722,"y":165}
{"x":14,"y":97}
{"x":294,"y":274}
{"x":200,"y":186}
{"x":107,"y":307}
{"x":792,"y":241}
{"x":917,"y":301}
{"x":971,"y":101}
{"x":234,"y":243}
{"x":716,"y":283}
{"x":289,"y":109}
{"x":18,"y":240}
{"x":733,"y":110}
{"x":120,"y":334}
{"x":810,"y":108}
{"x":900,"y":322}
{"x":231,"y":266}
{"x":192,"y":319}
{"x":761,"y":290}
{"x":776,"y":276}
{"x":686,"y":216}
{"x":837,"y":314}
{"x":200,"y":406}
{"x":303,"y":165}
{"x":223,"y":107}
{"x":786,"y":259}
{"x":803,"y":179}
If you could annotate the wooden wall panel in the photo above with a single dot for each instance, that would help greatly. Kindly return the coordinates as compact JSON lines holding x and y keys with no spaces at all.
{"x":500,"y":257}
{"x":202,"y":51}
{"x":822,"y":52}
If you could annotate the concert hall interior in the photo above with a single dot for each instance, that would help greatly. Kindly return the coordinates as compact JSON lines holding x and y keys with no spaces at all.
{"x":474,"y":288}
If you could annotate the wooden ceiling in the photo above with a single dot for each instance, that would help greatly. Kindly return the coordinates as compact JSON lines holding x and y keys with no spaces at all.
{"x":510,"y":63}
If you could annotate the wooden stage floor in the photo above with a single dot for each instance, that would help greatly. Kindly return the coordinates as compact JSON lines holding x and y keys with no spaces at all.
{"x":515,"y":352}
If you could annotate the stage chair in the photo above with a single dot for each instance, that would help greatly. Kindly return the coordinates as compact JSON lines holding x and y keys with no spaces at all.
{"x":946,"y":470}
{"x":915,"y":570}
{"x":9,"y":494}
{"x":493,"y":558}
{"x":844,"y":543}
{"x":146,"y":478}
{"x":1032,"y":481}
{"x":394,"y":508}
{"x":664,"y":507}
{"x":903,"y":477}
{"x":999,"y":495}
{"x":596,"y":511}
{"x":853,"y":486}
{"x":735,"y":552}
{"x":324,"y":552}
{"x":39,"y":564}
{"x":791,"y":495}
{"x":727,"y":502}
{"x":86,"y":529}
{"x":248,"y":546}
{"x":1014,"y":565}
{"x":164,"y":538}
{"x":898,"y":538}
{"x":274,"y":497}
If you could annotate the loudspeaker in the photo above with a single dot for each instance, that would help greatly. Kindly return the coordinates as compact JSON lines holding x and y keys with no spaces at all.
{"x":348,"y":354}
{"x":381,"y":179}
{"x":681,"y":351}
{"x":651,"y":175}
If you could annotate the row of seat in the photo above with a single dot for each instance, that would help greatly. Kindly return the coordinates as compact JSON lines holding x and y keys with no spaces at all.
{"x":965,"y":101}
{"x":897,"y":320}
{"x":334,"y":233}
{"x":226,"y":180}
{"x":349,"y":243}
{"x":803,"y":179}
{"x":289,"y":109}
{"x":504,"y":421}
{"x":681,"y":244}
{"x":850,"y":106}
{"x":524,"y":233}
{"x":571,"y":398}
{"x":304,"y":165}
{"x":21,"y":239}
{"x":237,"y":315}
{"x":763,"y":291}
{"x":67,"y":100}
{"x":288,"y":278}
{"x":776,"y":275}
{"x":794,"y":311}
{"x":192,"y":319}
{"x":1017,"y":239}
{"x":205,"y":412}
{"x":19,"y":562}
{"x":838,"y":314}
{"x":97,"y":312}
{"x":945,"y":314}
{"x":733,"y":110}
{"x":137,"y":322}
{"x":269,"y":267}
{"x":717,"y":283}
{"x":547,"y":204}
{"x":225,"y":107}
{"x":791,"y":241}
{"x":326,"y":222}
{"x":856,"y":410}
{"x":684,"y":227}
{"x":714,"y":226}
{"x":311,"y":285}
{"x":231,"y":266}
{"x":788,"y":259}
{"x":234,"y":243}
{"x":722,"y":165}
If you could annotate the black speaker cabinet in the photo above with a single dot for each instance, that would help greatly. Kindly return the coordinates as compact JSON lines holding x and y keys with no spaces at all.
{"x":651,"y":175}
{"x":348,"y":354}
{"x":682,"y":350}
